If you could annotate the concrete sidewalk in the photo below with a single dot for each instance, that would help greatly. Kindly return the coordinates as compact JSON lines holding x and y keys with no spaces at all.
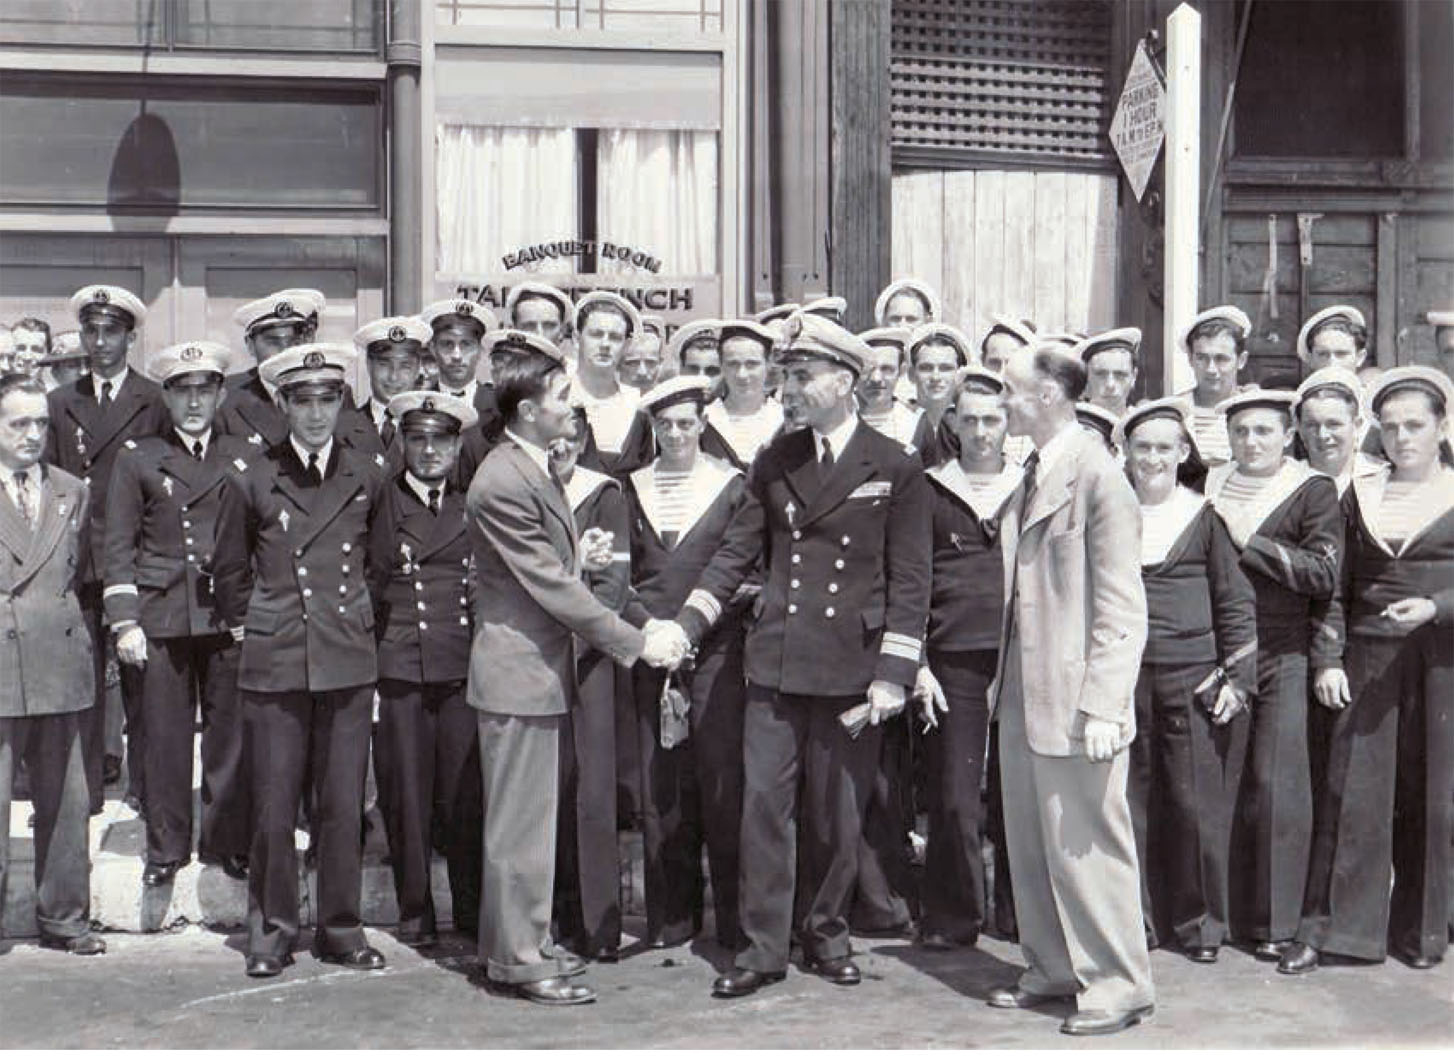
{"x":186,"y":989}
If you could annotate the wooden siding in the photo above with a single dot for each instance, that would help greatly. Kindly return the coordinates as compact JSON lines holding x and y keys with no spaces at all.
{"x":1036,"y":244}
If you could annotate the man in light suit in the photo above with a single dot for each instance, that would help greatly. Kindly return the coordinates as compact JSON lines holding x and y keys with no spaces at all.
{"x":46,"y":679}
{"x":522,"y":675}
{"x":1073,"y":633}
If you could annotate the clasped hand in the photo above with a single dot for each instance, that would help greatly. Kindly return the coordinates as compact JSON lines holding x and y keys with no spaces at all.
{"x":667,"y":645}
{"x":596,"y":549}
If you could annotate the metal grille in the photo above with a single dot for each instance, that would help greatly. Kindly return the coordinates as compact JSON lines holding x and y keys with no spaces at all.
{"x":1012,"y":78}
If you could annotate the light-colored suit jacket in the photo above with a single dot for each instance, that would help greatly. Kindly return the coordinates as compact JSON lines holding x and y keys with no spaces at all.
{"x":532,"y":601}
{"x":45,"y":646}
{"x":1075,"y":595}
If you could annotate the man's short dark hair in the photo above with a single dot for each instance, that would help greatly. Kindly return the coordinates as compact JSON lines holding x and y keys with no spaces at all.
{"x":1066,"y":371}
{"x":33,"y":323}
{"x":1337,"y":324}
{"x":520,"y":375}
{"x":19,"y":382}
{"x":1213,"y":328}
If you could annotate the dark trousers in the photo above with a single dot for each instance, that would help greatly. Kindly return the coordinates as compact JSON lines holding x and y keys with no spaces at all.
{"x":1272,"y":830}
{"x":586,"y":904}
{"x":692,"y":796}
{"x":427,"y":765}
{"x":179,"y":673}
{"x":1003,"y":890}
{"x":93,"y":720}
{"x":884,"y":894}
{"x":800,"y":766}
{"x":1184,"y":775}
{"x":1386,"y":800}
{"x":320,"y":739}
{"x":953,"y":890}
{"x":50,"y":748}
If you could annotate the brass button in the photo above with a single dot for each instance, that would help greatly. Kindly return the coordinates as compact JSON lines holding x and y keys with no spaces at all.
{"x":302,"y":571}
{"x":795,"y":583}
{"x":832,"y":590}
{"x":797,"y":558}
{"x":307,"y":593}
{"x":423,"y":625}
{"x":797,"y":535}
{"x":346,"y":548}
{"x":792,"y":608}
{"x":838,"y":564}
{"x":829,"y":612}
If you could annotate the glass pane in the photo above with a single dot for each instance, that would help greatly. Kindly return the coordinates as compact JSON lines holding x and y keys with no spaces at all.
{"x":511,"y":14}
{"x":81,"y":22}
{"x":1436,"y":88}
{"x":1322,"y":87}
{"x":283,"y":25}
{"x":100,"y":143}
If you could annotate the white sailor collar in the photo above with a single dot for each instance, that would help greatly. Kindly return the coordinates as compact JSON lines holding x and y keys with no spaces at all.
{"x":953,"y":478}
{"x":1369,"y":489}
{"x":706,"y":481}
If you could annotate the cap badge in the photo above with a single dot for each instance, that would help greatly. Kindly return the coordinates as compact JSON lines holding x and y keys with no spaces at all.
{"x":397,"y":333}
{"x":191,"y":353}
{"x":793,"y":328}
{"x":283,"y":309}
{"x":313,"y":360}
{"x":464,"y":309}
{"x":427,"y":404}
{"x":100,"y":297}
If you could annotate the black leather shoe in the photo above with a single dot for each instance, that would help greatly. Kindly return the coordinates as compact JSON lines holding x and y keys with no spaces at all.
{"x":741,"y":982}
{"x":367,"y":958}
{"x":1202,"y":954}
{"x":609,"y":955}
{"x":268,"y":966}
{"x":555,"y":992}
{"x":418,"y":938}
{"x":83,"y":945}
{"x":840,"y":970}
{"x":1423,"y":963}
{"x":1095,"y":1023}
{"x":1015,"y":997}
{"x":160,"y":873}
{"x":1298,"y":959}
{"x":943,"y":941}
{"x":1271,"y":950}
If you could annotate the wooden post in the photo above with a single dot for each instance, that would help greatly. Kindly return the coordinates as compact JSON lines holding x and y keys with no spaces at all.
{"x":862,"y":183}
{"x":1183,"y":188}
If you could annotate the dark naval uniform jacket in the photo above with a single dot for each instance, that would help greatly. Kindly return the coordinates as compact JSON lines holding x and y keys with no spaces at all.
{"x":160,"y":529}
{"x":84,"y":442}
{"x":848,"y":561}
{"x":290,"y":568}
{"x":423,"y":611}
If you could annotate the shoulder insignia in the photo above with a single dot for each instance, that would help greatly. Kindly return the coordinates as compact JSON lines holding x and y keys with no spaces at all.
{"x":379,"y":458}
{"x":910,"y":449}
{"x":130,"y":443}
{"x":240,"y":464}
{"x":255,"y":439}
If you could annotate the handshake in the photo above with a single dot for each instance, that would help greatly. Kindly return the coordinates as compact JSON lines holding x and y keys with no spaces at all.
{"x":667,"y":645}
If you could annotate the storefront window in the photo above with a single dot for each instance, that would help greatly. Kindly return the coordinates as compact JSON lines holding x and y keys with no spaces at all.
{"x":635,"y":210}
{"x":274,"y":25}
{"x":177,"y":144}
{"x":683,"y":16}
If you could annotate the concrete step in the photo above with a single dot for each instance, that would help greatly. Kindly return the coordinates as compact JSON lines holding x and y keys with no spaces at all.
{"x":205,"y":895}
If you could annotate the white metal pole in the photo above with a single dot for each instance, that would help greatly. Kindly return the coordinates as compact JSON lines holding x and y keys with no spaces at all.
{"x":1183,"y":183}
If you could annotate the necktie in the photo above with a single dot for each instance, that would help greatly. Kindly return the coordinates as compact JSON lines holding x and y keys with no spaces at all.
{"x":314,"y":471}
{"x":197,"y":451}
{"x":387,"y":430}
{"x":22,"y":491}
{"x":1032,"y":464}
{"x":105,"y":396}
{"x":434,"y":501}
{"x":826,"y":461}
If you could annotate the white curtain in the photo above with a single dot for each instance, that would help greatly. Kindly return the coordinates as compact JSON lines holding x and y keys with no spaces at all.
{"x":499,"y":189}
{"x":657,"y":192}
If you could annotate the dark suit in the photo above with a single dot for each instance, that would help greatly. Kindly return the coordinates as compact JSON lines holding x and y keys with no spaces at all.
{"x":426,"y":753}
{"x":160,"y":529}
{"x":844,"y":603}
{"x":290,"y":567}
{"x":523,"y":682}
{"x":84,"y":441}
{"x":46,"y":684}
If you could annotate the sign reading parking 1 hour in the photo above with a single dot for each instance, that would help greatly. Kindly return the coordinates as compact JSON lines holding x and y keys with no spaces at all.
{"x":1139,"y":125}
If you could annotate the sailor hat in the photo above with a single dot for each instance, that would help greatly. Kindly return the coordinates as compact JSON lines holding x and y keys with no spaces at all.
{"x":443,"y":313}
{"x":908,"y":285}
{"x":294,"y":305}
{"x":430,"y":408}
{"x":394,"y":330}
{"x":1322,"y":316}
{"x":184,"y":358}
{"x":111,"y":301}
